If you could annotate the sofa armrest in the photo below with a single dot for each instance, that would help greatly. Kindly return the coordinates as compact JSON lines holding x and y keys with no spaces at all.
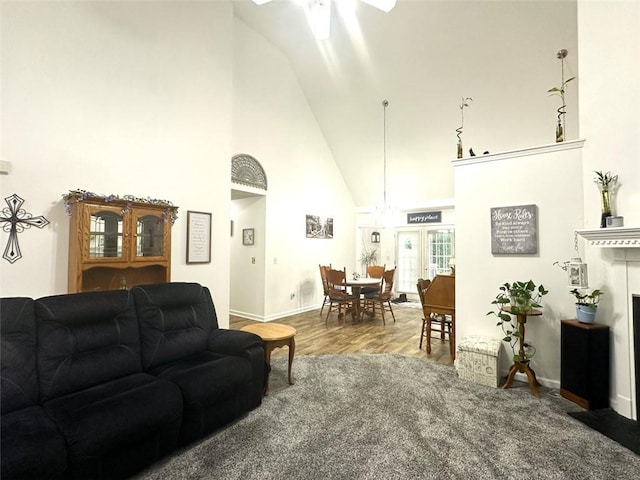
{"x":233,"y":342}
{"x":246,"y":345}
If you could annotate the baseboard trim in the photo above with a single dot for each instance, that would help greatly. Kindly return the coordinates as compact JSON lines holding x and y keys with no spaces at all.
{"x":276,"y":316}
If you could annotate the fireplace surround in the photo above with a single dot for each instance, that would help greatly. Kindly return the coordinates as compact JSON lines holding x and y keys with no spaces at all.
{"x":636,"y":341}
{"x":621,"y":255}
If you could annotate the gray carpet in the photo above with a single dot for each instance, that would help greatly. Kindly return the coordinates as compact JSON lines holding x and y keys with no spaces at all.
{"x":396,"y":417}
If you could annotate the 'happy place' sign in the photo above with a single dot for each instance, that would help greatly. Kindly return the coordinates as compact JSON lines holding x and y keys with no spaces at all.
{"x":424,"y":217}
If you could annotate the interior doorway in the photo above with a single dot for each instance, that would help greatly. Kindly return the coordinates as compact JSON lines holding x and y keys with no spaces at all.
{"x":247,"y":258}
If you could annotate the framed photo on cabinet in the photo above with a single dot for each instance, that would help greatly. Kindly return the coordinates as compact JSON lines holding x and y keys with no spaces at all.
{"x":248,"y":236}
{"x":198,"y":237}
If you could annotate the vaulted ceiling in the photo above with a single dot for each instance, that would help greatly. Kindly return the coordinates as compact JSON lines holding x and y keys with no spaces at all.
{"x":423,"y":57}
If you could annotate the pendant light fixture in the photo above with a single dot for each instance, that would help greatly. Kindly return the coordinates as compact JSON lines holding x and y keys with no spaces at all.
{"x":385,"y":104}
{"x":375,"y":236}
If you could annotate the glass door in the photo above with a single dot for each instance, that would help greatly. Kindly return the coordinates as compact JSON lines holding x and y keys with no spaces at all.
{"x":439,"y":252}
{"x":150,"y":235}
{"x":104,"y":235}
{"x":422,"y":252}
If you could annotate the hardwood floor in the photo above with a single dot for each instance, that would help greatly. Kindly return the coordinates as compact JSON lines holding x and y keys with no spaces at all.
{"x":314,"y":336}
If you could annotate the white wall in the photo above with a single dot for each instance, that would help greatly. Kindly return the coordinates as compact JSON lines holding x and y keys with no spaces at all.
{"x":561,"y":184}
{"x":609,"y":44}
{"x":552,"y":180}
{"x":273,"y":123}
{"x":123,"y":98}
{"x":137,"y":98}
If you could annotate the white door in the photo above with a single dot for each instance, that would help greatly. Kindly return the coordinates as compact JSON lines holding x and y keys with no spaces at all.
{"x":408,"y":260}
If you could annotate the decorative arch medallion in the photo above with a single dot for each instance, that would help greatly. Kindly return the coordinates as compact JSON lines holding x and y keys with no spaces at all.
{"x":246,"y":170}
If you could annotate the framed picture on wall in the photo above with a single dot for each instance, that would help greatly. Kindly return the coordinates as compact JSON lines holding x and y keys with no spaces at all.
{"x":247,"y":236}
{"x":319,"y":227}
{"x":198,"y":237}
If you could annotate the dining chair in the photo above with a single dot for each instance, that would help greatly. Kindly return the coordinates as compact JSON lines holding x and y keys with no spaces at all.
{"x":339,"y":297}
{"x":325,"y":285}
{"x":433,"y":322}
{"x":382,"y":299}
{"x":374,"y":271}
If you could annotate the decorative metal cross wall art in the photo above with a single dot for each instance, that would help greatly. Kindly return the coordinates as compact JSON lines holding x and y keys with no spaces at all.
{"x":14,"y":220}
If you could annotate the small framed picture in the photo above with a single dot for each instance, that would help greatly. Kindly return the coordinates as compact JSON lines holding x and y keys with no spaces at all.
{"x":247,"y":236}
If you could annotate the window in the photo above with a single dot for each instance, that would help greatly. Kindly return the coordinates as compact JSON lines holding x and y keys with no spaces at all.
{"x":439,"y":251}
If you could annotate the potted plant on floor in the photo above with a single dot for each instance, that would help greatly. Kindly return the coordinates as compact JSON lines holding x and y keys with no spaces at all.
{"x":586,"y":304}
{"x":516,"y":298}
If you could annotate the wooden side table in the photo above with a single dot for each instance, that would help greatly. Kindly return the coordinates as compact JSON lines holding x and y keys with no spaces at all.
{"x":274,"y":335}
{"x":522,"y":365}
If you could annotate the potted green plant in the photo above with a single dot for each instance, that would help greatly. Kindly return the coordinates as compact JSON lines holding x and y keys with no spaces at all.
{"x":586,"y":304}
{"x":606,"y":183}
{"x":519,"y":297}
{"x":369,"y":257}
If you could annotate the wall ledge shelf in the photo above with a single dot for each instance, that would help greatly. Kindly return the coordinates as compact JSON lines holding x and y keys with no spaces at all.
{"x":614,"y":237}
{"x":522,"y":152}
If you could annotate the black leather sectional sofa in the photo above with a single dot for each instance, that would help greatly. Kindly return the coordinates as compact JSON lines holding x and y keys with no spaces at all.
{"x":99,"y":385}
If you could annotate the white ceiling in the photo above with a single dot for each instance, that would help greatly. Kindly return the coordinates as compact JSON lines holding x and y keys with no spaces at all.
{"x":423,"y":57}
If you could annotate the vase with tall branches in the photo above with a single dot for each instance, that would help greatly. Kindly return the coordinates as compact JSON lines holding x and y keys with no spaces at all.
{"x":605,"y":182}
{"x":560,"y":91}
{"x":463,"y":104}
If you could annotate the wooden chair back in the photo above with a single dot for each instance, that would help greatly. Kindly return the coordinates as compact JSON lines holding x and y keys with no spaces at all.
{"x":335,"y":278}
{"x":375,"y":271}
{"x":422,"y":286}
{"x":387,"y":281}
{"x":323,"y":276}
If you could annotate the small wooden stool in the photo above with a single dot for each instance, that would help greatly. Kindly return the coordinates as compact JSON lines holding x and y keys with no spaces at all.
{"x":274,"y":335}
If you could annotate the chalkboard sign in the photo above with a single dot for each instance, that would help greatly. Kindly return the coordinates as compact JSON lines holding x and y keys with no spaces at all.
{"x":514,"y":230}
{"x":424,"y":217}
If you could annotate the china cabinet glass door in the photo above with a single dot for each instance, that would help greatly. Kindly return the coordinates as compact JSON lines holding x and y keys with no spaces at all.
{"x":106,"y":235}
{"x":149,"y":234}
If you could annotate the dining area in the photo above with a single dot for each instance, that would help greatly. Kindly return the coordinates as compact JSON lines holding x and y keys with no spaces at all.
{"x":357,"y":296}
{"x":370,"y":297}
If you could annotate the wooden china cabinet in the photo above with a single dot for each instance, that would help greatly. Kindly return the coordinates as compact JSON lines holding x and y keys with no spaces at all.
{"x":117,"y":243}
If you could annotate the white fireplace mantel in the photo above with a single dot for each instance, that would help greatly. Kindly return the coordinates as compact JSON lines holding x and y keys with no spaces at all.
{"x":613,"y":237}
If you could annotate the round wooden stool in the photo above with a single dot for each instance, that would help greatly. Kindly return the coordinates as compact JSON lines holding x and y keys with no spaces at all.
{"x":274,"y":335}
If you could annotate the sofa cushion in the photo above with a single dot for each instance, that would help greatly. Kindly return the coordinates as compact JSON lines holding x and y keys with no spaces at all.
{"x":117,"y":416}
{"x":18,"y":377}
{"x":176,"y":320}
{"x":214,"y":388}
{"x":85,"y":339}
{"x":31,"y":446}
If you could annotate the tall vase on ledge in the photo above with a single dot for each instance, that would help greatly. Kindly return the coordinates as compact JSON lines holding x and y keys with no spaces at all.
{"x":605,"y":182}
{"x":560,"y":91}
{"x":560,"y":131}
{"x":605,"y":200}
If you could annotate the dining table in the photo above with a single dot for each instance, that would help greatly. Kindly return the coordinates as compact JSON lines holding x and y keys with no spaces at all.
{"x":356,"y":285}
